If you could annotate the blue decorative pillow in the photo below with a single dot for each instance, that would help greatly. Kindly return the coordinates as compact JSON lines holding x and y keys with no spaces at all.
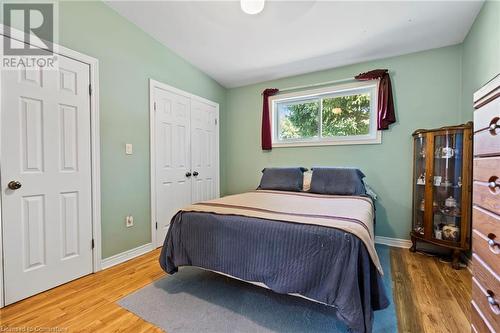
{"x":338,"y":181}
{"x":282,"y":179}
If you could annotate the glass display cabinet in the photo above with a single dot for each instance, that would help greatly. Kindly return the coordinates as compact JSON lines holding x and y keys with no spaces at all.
{"x":442,"y":176}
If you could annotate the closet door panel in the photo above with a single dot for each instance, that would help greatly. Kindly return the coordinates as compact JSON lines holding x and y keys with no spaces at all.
{"x":203,"y":152}
{"x":173,"y":157}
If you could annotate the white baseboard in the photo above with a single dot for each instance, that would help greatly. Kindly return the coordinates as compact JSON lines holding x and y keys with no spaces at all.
{"x":127,"y":255}
{"x":394,"y":242}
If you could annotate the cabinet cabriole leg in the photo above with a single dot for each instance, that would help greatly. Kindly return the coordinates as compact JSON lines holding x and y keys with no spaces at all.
{"x":455,"y":263}
{"x":413,"y":248}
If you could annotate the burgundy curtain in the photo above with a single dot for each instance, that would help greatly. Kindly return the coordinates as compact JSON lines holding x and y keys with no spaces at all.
{"x":385,"y":110}
{"x":266,"y":119}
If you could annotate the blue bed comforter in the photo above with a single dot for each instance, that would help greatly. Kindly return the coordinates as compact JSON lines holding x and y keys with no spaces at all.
{"x":324,"y":264}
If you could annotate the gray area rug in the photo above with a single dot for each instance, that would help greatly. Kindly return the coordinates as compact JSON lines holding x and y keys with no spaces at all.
{"x":195,"y":300}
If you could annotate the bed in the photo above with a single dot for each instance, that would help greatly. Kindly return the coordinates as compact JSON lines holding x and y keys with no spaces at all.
{"x":316,"y":246}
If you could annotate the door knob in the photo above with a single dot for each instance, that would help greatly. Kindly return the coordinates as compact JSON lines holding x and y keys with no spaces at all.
{"x":14,"y":185}
{"x":188,"y":174}
{"x":195,"y":173}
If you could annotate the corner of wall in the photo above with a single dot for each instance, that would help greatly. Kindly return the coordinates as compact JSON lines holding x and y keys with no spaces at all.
{"x":461,"y":115}
{"x":223,"y":143}
{"x":480,"y":55}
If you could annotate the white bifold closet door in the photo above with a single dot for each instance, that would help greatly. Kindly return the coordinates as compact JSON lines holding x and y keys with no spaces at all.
{"x":186,"y":153}
{"x":203,"y":151}
{"x":45,"y":177}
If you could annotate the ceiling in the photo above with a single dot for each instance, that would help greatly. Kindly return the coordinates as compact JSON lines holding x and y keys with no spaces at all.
{"x":295,"y":37}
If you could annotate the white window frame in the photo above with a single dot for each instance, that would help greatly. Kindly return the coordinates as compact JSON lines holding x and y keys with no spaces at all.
{"x":374,"y":136}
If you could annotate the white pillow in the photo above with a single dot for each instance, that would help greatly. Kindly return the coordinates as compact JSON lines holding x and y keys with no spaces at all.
{"x":307,"y":181}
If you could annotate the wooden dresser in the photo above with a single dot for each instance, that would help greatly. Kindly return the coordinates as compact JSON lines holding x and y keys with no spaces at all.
{"x":485,"y":315}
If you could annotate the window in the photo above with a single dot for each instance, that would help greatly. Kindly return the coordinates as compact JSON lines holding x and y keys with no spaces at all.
{"x":342,"y":114}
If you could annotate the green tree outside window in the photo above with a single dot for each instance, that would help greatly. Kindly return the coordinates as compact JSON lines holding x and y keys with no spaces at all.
{"x":341,"y":116}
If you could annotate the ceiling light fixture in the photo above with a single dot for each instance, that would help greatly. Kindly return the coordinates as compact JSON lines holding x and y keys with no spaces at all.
{"x":252,"y":7}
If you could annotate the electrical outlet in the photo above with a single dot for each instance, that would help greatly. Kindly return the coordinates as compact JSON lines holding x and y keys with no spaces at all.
{"x":129,"y":221}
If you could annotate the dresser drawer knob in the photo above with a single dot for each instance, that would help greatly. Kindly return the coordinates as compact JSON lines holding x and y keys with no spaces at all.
{"x":494,"y":125}
{"x":493,"y":184}
{"x":495,"y":308}
{"x":491,"y":238}
{"x":494,"y":245}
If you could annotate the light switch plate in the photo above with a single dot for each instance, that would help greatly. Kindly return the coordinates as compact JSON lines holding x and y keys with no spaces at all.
{"x":128,"y":149}
{"x":129,"y":221}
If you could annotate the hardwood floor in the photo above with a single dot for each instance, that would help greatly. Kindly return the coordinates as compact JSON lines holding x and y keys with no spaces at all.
{"x":429,"y":296}
{"x":88,"y":304}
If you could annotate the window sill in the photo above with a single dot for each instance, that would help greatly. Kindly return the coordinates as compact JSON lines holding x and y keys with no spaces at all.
{"x":376,"y":141}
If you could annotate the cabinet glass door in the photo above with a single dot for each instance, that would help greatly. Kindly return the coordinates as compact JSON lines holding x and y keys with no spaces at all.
{"x":419,"y":185}
{"x":447,"y":183}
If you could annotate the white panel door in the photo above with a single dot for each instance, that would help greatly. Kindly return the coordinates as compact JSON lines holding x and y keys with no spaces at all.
{"x":172,"y":151}
{"x":45,"y":149}
{"x":204,"y":153}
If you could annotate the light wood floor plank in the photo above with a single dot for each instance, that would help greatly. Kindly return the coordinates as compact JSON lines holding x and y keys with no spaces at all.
{"x":406,"y":309}
{"x":438,"y":294}
{"x":429,"y":296}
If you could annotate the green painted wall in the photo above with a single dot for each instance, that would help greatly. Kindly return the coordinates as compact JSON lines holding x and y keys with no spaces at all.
{"x":481,"y":54}
{"x":128,"y":57}
{"x":426,"y":89}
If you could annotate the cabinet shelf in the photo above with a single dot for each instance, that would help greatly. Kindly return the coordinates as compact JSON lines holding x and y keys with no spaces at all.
{"x":448,"y":158}
{"x":435,"y":241}
{"x":443,"y":186}
{"x":440,"y":212}
{"x":448,"y":186}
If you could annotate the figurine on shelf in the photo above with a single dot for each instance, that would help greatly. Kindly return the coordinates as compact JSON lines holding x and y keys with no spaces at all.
{"x":421,"y":179}
{"x":422,"y":205}
{"x":437,"y":152}
{"x":438,"y":233}
{"x":450,"y":202}
{"x":451,"y":233}
{"x":447,"y":152}
{"x":459,"y":183}
{"x":437,"y":180}
{"x":455,"y":211}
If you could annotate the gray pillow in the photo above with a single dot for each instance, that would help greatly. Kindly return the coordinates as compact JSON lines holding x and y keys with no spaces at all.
{"x":282,"y":179}
{"x":339,"y":181}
